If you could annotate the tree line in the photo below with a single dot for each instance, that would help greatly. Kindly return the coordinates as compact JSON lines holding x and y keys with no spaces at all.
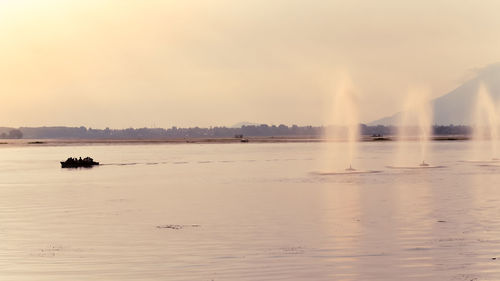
{"x":210,"y":132}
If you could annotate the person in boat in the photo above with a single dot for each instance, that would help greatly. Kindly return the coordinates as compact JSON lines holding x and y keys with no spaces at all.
{"x":73,"y":162}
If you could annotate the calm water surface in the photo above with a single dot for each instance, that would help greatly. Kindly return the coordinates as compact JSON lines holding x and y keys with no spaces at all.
{"x":248,"y":212}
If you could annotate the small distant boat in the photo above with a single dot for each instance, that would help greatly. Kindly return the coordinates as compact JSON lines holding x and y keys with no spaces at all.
{"x":350,"y":168}
{"x":86,"y":162}
{"x":423,"y":164}
{"x":244,"y":140}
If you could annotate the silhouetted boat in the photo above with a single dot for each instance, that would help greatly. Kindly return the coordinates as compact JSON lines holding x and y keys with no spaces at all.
{"x":86,"y":162}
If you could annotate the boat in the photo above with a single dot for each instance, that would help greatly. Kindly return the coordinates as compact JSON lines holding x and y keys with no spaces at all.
{"x":86,"y":162}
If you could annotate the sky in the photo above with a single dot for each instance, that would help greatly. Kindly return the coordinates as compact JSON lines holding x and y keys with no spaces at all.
{"x":125,"y":63}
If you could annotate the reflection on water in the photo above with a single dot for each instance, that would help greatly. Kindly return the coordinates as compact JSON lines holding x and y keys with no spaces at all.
{"x":246,"y":212}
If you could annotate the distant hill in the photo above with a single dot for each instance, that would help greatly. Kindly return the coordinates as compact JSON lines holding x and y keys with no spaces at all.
{"x":457,"y":106}
{"x":5,"y":130}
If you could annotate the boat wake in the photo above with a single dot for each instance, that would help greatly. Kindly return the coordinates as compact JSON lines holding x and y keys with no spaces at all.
{"x":419,"y":167}
{"x":346,"y":172}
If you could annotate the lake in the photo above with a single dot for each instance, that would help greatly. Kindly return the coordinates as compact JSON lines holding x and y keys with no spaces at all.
{"x":254,"y":211}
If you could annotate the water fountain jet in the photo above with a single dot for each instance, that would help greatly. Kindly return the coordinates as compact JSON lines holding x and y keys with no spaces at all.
{"x":345,"y":127}
{"x":343,"y":134}
{"x":486,"y":123}
{"x":415,"y":124}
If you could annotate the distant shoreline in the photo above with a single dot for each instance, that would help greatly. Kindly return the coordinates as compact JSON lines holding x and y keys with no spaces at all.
{"x":64,"y":142}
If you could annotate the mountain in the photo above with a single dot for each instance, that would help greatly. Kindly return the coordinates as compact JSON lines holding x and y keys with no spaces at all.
{"x":5,"y":130}
{"x":457,"y":106}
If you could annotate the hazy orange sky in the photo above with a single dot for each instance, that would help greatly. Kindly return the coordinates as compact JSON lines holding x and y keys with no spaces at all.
{"x":122,"y":63}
